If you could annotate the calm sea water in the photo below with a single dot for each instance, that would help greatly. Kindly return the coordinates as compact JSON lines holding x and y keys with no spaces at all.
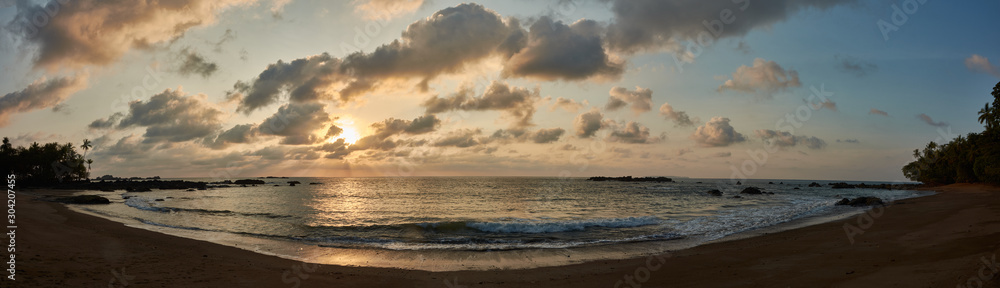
{"x":478,"y":213}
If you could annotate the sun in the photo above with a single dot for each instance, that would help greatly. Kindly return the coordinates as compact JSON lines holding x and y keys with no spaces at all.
{"x":349,"y":134}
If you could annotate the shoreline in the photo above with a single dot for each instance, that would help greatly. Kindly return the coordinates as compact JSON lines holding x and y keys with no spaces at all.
{"x":434,"y":260}
{"x":791,"y":257}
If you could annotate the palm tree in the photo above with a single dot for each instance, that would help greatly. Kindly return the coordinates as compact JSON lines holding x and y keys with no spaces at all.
{"x":86,"y":146}
{"x":89,"y":161}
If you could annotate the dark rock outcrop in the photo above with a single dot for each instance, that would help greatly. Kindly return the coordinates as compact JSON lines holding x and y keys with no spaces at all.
{"x":714,"y":192}
{"x":814,"y":184}
{"x":861,"y":201}
{"x":752,"y":191}
{"x":84,"y":199}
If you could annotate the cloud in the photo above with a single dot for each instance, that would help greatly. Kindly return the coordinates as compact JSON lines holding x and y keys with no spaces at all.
{"x":543,"y":136}
{"x":744,"y":47}
{"x":106,"y":123}
{"x":854,"y":65}
{"x":766,"y":77}
{"x":297,"y":123}
{"x":878,"y":112}
{"x":462,"y":138}
{"x":386,"y":9}
{"x":650,"y":25}
{"x":680,"y":118}
{"x":172,"y":116}
{"x":641,"y":100}
{"x":786,"y":139}
{"x":829,"y":105}
{"x":228,"y":36}
{"x":420,"y":125}
{"x":444,"y":43}
{"x":632,"y":133}
{"x":194,"y":63}
{"x":569,"y":105}
{"x":717,"y":133}
{"x":587,"y":124}
{"x":977,"y":63}
{"x":93,"y":32}
{"x":556,"y":51}
{"x":723,"y":154}
{"x":929,"y":121}
{"x":516,"y":102}
{"x":852,"y":141}
{"x":239,"y":134}
{"x":41,"y":94}
{"x":303,"y":79}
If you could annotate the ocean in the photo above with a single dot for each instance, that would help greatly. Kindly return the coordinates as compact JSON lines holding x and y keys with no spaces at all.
{"x":463,"y":216}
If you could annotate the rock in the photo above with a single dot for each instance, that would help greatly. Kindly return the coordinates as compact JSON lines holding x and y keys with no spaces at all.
{"x":315,"y":183}
{"x":752,"y":191}
{"x":293,"y":183}
{"x":814,"y":184}
{"x":861,"y":201}
{"x":714,"y":192}
{"x":796,"y":188}
{"x":249,"y":181}
{"x":161,"y":199}
{"x":84,"y":199}
{"x":739,"y":183}
{"x":770,"y":182}
{"x":841,"y":185}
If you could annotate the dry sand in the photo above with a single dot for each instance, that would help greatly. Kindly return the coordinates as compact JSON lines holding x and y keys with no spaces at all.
{"x":935,"y":241}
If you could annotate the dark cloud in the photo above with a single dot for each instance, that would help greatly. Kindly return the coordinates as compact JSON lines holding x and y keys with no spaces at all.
{"x":172,"y":116}
{"x":516,"y":102}
{"x":786,"y":139}
{"x":304,"y":80}
{"x":547,"y":135}
{"x":717,"y":133}
{"x":541,"y":136}
{"x":556,"y":51}
{"x":680,"y":118}
{"x":640,"y":25}
{"x":297,"y":123}
{"x":239,"y":134}
{"x":84,"y":32}
{"x":852,"y":141}
{"x":929,"y":121}
{"x":632,"y":133}
{"x":764,"y":77}
{"x":420,"y":125}
{"x":106,"y":123}
{"x":587,"y":124}
{"x":193,"y":63}
{"x":461,"y":138}
{"x":641,"y":100}
{"x":39,"y":95}
{"x":854,"y":65}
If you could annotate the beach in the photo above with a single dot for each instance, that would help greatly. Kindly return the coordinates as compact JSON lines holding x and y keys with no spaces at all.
{"x":934,"y":241}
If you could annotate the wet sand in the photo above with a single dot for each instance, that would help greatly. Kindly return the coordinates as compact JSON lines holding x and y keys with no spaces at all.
{"x":934,"y":241}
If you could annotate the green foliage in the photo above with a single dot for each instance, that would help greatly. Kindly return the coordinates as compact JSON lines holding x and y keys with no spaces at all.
{"x":42,"y":164}
{"x":968,"y":159}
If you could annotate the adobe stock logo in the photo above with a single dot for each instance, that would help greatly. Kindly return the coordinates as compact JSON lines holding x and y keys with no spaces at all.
{"x":899,"y":17}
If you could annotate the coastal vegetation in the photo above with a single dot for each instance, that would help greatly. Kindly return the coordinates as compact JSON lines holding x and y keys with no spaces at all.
{"x":973,"y":158}
{"x":43,"y":164}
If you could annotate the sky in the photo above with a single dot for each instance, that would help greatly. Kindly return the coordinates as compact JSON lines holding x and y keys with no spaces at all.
{"x":824,"y":89}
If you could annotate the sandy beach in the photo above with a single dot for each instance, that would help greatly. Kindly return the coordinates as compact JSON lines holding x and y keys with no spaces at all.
{"x":934,"y":241}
